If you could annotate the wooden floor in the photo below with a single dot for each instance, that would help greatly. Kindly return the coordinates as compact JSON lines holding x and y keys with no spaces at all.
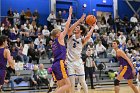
{"x":124,"y":89}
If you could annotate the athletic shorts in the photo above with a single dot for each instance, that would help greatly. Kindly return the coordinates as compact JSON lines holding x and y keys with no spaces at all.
{"x":126,"y":72}
{"x":2,"y":76}
{"x":59,"y":70}
{"x":76,"y":68}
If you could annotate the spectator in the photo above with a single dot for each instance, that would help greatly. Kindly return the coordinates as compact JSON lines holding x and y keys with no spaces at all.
{"x":36,"y":15}
{"x":28,"y":14}
{"x":27,"y":38}
{"x":133,"y":19}
{"x":32,"y":53}
{"x":122,"y":38}
{"x":35,"y":78}
{"x":101,"y":50}
{"x":6,"y":31}
{"x":23,"y":58}
{"x":51,"y":20}
{"x":59,"y":18}
{"x":16,"y":17}
{"x":41,"y":50}
{"x":10,"y":16}
{"x":18,"y":43}
{"x":110,"y":21}
{"x":45,"y":31}
{"x":22,"y":17}
{"x":43,"y":76}
{"x":49,"y":49}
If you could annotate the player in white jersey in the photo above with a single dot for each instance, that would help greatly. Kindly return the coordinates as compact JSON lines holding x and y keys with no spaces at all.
{"x":75,"y":43}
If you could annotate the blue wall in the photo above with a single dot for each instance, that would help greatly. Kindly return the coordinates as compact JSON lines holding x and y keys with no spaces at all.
{"x":123,"y":8}
{"x":91,"y":4}
{"x":43,"y":7}
{"x":94,"y":4}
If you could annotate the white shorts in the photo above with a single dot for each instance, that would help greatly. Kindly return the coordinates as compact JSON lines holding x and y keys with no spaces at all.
{"x":76,"y":68}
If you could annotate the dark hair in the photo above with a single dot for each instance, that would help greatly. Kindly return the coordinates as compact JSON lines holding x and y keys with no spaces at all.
{"x":116,"y":41}
{"x":2,"y":39}
{"x":83,"y":28}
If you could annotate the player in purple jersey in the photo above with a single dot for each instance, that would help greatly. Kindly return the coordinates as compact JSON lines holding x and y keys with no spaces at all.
{"x":4,"y":58}
{"x":127,"y":70}
{"x":59,"y":52}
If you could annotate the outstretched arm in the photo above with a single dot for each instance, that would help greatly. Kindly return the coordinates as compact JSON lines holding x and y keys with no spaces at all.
{"x":64,"y":33}
{"x":75,"y":24}
{"x":87,"y":37}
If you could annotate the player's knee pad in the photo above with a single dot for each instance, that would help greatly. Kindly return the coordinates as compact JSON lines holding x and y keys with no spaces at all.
{"x":116,"y":82}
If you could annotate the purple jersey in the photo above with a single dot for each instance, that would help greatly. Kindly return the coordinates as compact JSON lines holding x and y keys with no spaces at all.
{"x":3,"y":61}
{"x":126,"y":71}
{"x":59,"y":51}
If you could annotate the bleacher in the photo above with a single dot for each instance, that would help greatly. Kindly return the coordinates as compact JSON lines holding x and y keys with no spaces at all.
{"x":103,"y":80}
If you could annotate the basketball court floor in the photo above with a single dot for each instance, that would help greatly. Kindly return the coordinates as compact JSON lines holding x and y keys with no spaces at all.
{"x":109,"y":89}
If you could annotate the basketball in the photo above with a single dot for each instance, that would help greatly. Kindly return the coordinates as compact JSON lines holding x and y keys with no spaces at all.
{"x":90,"y":20}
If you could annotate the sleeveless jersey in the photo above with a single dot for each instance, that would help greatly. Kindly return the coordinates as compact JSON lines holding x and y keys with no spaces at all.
{"x":74,"y":48}
{"x":59,"y":51}
{"x":3,"y":61}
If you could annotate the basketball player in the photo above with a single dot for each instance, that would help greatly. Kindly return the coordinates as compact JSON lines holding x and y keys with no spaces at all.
{"x":59,"y":52}
{"x":127,"y":70}
{"x":75,"y":44}
{"x":5,"y":57}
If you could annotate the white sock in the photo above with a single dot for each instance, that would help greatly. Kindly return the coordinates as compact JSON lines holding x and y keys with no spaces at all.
{"x":83,"y":83}
{"x":72,"y":80}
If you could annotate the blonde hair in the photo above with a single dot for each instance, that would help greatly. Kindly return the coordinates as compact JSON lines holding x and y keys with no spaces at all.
{"x":35,"y":67}
{"x":54,"y":32}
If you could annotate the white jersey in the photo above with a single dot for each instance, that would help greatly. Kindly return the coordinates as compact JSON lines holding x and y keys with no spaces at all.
{"x":74,"y":48}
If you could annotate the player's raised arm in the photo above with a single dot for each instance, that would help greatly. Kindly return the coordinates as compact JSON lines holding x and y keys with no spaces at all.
{"x":71,"y":29}
{"x":87,"y":37}
{"x":64,"y":33}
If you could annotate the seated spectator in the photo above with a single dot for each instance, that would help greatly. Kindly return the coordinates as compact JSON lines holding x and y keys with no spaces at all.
{"x":45,"y":31}
{"x":122,"y":38}
{"x":101,"y":50}
{"x":14,"y":53}
{"x":41,"y":50}
{"x":13,"y":35}
{"x":35,"y":78}
{"x":32,"y":53}
{"x":18,"y":44}
{"x":27,"y":38}
{"x":129,"y":45}
{"x":42,"y":73}
{"x":37,"y":41}
{"x":23,"y":58}
{"x":49,"y":49}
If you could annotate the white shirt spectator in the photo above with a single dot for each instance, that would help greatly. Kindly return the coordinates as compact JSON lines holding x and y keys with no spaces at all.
{"x":46,"y":32}
{"x":133,"y":19}
{"x":37,"y":41}
{"x":100,"y":48}
{"x":122,"y":39}
{"x":51,"y":16}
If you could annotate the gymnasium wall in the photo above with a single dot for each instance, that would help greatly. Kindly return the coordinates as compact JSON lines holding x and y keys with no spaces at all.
{"x":123,"y":8}
{"x":43,"y":6}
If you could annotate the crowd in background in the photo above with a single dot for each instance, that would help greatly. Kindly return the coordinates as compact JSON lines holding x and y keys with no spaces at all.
{"x":24,"y":28}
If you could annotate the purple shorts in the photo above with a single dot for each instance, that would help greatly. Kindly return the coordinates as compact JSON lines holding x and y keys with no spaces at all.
{"x":2,"y":76}
{"x":126,"y":72}
{"x":59,"y":70}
